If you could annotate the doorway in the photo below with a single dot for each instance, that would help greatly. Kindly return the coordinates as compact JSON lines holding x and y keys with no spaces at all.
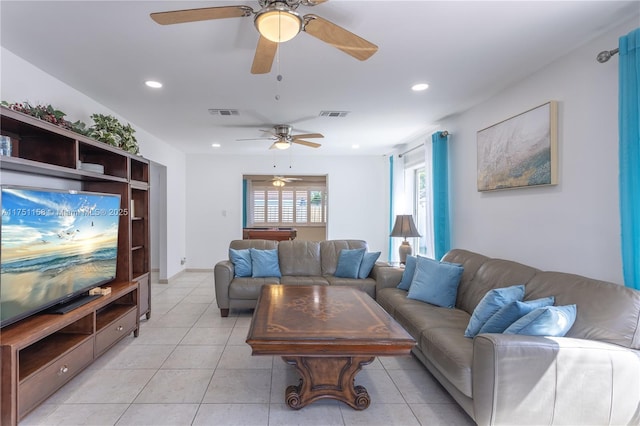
{"x":298,"y":202}
{"x":158,"y":221}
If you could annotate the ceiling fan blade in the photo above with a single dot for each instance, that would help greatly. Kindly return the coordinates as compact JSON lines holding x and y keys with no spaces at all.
{"x":263,"y":59}
{"x":306,"y":143}
{"x":257,"y":139}
{"x":308,"y":136}
{"x":339,"y":38}
{"x":202,"y":14}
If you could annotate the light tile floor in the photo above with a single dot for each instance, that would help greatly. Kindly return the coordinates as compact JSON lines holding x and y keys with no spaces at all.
{"x":189,"y":366}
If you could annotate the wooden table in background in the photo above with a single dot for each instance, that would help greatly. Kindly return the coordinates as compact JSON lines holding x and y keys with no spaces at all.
{"x":276,"y":234}
{"x":327,"y":333}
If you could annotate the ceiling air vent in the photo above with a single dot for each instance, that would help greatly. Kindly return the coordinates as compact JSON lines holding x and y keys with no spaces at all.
{"x":224,"y":112}
{"x":333,"y":113}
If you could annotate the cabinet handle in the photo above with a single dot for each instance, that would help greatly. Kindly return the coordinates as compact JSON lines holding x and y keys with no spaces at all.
{"x":120,"y":328}
{"x":64,"y":369}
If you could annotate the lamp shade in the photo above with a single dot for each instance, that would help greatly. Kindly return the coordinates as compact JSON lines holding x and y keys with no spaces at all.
{"x":404,"y":227}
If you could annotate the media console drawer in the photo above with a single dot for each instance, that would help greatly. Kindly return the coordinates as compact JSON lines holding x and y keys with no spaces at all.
{"x":37,"y":387}
{"x":116,"y":330}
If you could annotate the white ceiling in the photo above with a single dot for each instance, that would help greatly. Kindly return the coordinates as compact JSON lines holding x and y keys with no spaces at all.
{"x":465,"y":50}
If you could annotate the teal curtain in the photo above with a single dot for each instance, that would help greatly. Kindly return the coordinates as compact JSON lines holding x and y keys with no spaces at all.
{"x":629,"y":152}
{"x":441,"y":233}
{"x":244,"y":203}
{"x":391,"y":218}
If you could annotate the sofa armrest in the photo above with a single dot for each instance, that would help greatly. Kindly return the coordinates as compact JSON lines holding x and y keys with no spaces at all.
{"x":386,"y":276}
{"x":223,"y":274}
{"x":545,"y":380}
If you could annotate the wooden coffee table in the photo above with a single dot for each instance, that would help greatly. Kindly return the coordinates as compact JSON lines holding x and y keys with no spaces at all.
{"x":328,"y":333}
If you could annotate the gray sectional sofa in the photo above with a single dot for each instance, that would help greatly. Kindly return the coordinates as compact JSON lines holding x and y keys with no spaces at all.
{"x":589,"y":376}
{"x":301,"y":263}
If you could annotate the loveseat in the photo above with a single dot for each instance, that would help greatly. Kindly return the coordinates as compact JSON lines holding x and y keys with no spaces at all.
{"x":300,"y":263}
{"x":589,"y":376}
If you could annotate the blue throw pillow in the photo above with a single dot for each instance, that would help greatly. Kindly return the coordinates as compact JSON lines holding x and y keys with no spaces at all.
{"x":349,"y":263}
{"x":492,"y":301}
{"x":241,"y":260}
{"x":407,"y":275}
{"x":554,"y":321}
{"x":368,"y":260}
{"x":511,"y":312}
{"x":435,"y":282}
{"x":265,"y":263}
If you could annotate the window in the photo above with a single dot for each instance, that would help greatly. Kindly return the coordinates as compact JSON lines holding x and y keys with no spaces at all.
{"x":416,"y":195}
{"x":420,"y":206}
{"x":290,"y":205}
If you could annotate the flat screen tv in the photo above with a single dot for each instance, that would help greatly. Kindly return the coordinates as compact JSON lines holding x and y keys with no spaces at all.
{"x":56,"y":246}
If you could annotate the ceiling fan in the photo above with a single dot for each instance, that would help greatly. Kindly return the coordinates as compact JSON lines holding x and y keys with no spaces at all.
{"x":281,"y":180}
{"x":282,"y":137}
{"x":277,"y":22}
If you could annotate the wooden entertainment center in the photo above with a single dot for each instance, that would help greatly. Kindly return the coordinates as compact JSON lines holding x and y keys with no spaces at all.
{"x":41,"y":353}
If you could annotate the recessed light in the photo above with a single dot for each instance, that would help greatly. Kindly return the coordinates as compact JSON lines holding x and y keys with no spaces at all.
{"x":355,"y":146}
{"x":153,"y":84}
{"x":419,"y":87}
{"x":216,"y":145}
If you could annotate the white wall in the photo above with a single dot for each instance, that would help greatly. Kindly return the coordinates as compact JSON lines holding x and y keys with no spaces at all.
{"x":21,"y":81}
{"x":358,"y":199}
{"x":574,"y":226}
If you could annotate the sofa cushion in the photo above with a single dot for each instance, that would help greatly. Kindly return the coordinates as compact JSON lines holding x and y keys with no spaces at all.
{"x":299,"y":257}
{"x":451,"y":353}
{"x":390,"y":299}
{"x":493,"y":273}
{"x":435,"y":282}
{"x":368,"y":260}
{"x":492,"y":301}
{"x":241,"y":260}
{"x":330,"y":251}
{"x":368,"y":285}
{"x":407,"y":274}
{"x":303,"y":280}
{"x":598,"y":306}
{"x":257,"y":244}
{"x":349,"y":263}
{"x":264,"y":263}
{"x":511,"y":312}
{"x":249,"y":288}
{"x":552,"y":321}
{"x":416,"y":316}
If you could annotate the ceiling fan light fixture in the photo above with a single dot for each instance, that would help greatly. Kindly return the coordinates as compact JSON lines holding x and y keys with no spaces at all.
{"x":281,"y":144}
{"x":278,"y":183}
{"x":278,"y":23}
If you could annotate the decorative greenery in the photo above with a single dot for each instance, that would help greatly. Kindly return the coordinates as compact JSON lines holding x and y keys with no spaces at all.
{"x":49,"y":114}
{"x":109,"y":130}
{"x":106,"y":128}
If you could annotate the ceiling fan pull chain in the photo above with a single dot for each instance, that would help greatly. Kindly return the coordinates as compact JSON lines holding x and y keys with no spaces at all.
{"x":279,"y":76}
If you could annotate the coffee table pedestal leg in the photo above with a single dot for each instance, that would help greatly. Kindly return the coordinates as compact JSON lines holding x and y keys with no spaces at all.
{"x":327,"y":377}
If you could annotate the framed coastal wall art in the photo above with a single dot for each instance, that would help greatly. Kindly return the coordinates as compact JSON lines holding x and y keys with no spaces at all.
{"x":521,"y":151}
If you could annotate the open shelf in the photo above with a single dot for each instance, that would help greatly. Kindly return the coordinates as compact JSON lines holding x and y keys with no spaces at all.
{"x":41,"y":353}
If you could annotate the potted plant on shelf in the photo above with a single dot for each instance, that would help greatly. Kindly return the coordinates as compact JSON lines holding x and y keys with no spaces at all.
{"x":108,"y":129}
{"x":47,"y":113}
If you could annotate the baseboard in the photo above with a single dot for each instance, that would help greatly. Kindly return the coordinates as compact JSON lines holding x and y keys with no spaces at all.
{"x":171,"y":279}
{"x":184,"y":271}
{"x":199,"y":269}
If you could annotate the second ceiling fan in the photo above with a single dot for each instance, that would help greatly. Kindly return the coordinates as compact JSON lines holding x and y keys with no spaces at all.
{"x":277,"y":22}
{"x":282,"y":137}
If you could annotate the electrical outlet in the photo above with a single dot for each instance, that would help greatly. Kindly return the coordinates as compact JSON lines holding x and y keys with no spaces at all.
{"x":183,"y":260}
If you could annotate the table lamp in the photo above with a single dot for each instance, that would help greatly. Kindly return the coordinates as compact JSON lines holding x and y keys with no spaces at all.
{"x":404,"y":227}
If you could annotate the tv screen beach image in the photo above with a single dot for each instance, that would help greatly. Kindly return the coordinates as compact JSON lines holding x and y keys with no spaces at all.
{"x":54,"y":244}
